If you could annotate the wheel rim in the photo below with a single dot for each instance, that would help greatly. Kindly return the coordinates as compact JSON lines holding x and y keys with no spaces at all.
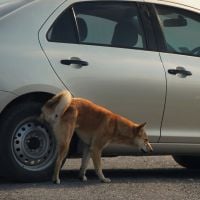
{"x":33,"y":145}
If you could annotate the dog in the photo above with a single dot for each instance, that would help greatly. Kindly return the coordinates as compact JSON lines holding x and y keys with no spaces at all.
{"x":95,"y":125}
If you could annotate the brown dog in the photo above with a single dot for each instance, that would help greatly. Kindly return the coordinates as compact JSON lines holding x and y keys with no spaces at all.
{"x":96,"y":127}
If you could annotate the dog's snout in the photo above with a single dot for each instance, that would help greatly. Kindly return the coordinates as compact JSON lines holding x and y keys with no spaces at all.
{"x":149,"y":147}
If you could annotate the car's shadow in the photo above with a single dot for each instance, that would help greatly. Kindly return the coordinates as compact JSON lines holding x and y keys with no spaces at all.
{"x":69,"y":178}
{"x":118,"y":175}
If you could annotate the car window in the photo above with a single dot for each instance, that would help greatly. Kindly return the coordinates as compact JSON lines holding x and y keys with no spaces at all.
{"x":181,"y":30}
{"x":111,"y":24}
{"x":96,"y":23}
{"x":63,"y":29}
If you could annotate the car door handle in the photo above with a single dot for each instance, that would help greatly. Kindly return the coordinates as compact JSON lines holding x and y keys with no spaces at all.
{"x":180,"y":70}
{"x":74,"y":61}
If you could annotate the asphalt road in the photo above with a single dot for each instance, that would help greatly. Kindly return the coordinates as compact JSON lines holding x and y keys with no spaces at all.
{"x":135,"y":178}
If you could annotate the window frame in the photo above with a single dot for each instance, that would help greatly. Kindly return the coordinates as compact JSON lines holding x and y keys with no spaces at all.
{"x":162,"y":44}
{"x":148,"y":34}
{"x":149,"y":27}
{"x":115,"y":46}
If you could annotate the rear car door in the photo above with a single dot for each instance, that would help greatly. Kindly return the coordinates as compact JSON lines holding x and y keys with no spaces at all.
{"x":181,"y":59}
{"x":100,"y":51}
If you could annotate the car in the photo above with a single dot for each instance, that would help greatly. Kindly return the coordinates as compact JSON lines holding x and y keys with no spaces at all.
{"x":138,"y":58}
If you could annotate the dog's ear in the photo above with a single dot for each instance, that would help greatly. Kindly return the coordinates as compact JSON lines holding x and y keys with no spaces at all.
{"x":141,"y":126}
{"x":136,"y":129}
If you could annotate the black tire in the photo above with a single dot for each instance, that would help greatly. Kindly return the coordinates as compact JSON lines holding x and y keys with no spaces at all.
{"x":190,"y":162}
{"x":27,"y":147}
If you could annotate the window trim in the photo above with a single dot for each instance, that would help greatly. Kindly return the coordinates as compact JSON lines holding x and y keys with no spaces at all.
{"x":148,"y":26}
{"x":115,"y":46}
{"x":75,"y":24}
{"x":140,"y":16}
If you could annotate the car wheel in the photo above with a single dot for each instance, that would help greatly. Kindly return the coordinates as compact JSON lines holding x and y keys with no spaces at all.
{"x":190,"y":162}
{"x":27,"y":147}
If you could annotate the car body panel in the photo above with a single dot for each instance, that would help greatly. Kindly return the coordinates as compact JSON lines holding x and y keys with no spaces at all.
{"x":192,"y":5}
{"x":161,"y":148}
{"x":29,"y":63}
{"x":120,"y":79}
{"x":181,"y":118}
{"x":23,"y":73}
{"x":5,"y":98}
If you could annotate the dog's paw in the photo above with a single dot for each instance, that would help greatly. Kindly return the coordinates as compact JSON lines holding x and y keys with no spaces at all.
{"x":57,"y":181}
{"x":106,"y":180}
{"x":83,"y":178}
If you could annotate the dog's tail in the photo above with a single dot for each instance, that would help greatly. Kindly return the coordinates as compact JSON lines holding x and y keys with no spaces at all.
{"x":67,"y":98}
{"x":60,"y":102}
{"x":65,"y":101}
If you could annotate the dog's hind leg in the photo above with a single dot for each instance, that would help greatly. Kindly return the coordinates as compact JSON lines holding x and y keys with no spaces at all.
{"x":84,"y":163}
{"x":62,"y":153}
{"x":63,"y":137}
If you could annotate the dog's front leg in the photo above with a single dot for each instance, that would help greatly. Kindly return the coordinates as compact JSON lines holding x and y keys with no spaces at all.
{"x":96,"y":157}
{"x":84,"y":163}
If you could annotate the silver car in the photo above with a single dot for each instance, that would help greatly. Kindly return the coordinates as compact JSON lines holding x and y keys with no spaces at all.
{"x":138,"y":58}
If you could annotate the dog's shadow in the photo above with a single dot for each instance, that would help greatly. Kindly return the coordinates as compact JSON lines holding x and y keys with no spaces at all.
{"x":138,"y":175}
{"x":69,"y":178}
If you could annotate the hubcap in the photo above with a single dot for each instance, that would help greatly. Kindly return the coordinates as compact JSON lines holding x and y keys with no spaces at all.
{"x":33,"y":145}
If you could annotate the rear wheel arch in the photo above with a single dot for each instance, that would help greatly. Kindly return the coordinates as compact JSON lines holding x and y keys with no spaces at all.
{"x":39,"y":97}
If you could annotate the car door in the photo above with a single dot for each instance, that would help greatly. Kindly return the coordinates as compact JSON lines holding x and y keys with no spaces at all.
{"x":99,"y":51}
{"x":181,"y":59}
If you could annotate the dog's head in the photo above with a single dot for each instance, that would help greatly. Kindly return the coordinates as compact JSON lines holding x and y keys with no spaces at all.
{"x":141,"y":139}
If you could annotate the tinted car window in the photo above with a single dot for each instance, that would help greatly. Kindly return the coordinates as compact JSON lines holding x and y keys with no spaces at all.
{"x":181,"y":30}
{"x":63,"y":30}
{"x":95,"y":23}
{"x":111,"y":24}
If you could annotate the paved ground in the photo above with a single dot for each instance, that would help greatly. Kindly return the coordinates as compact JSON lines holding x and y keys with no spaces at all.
{"x":135,"y":178}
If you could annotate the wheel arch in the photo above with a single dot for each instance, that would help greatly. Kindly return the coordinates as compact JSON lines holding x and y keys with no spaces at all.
{"x":40,"y":97}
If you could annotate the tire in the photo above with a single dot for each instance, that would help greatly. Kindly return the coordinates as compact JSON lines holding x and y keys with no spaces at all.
{"x":27,"y":147}
{"x":190,"y":162}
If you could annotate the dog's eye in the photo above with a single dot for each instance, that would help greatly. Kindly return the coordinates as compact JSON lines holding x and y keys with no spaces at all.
{"x":56,"y":115}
